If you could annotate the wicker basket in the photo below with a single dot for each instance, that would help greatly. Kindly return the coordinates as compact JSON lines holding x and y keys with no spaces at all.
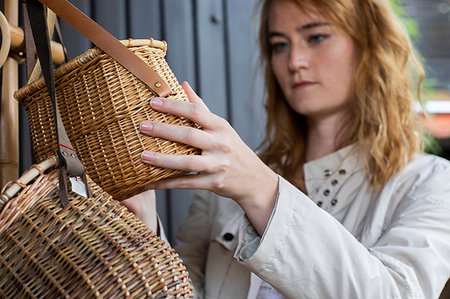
{"x":91,"y":248}
{"x":102,"y":105}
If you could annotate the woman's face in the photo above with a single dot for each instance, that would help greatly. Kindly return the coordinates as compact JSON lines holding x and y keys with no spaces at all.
{"x":312,"y":59}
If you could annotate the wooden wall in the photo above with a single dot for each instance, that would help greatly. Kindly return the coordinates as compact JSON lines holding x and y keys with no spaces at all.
{"x":211,"y":44}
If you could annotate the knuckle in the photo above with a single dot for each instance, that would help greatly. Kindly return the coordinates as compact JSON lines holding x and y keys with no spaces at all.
{"x":195,"y":163}
{"x":184,"y":184}
{"x":223,"y":166}
{"x":224,"y":145}
{"x":195,"y":111}
{"x":189,"y":134}
{"x":222,"y":123}
{"x":219,"y":184}
{"x":191,"y":164}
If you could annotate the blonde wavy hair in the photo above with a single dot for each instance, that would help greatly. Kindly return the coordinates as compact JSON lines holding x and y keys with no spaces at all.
{"x":382,"y":124}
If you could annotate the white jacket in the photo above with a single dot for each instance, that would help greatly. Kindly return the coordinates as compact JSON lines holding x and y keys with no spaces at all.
{"x":357,"y":244}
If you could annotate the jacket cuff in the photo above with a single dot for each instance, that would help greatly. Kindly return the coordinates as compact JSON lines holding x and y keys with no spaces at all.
{"x":252,"y":249}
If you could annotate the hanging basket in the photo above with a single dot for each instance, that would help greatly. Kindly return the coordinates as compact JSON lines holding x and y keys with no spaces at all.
{"x":102,"y":105}
{"x":92,"y":248}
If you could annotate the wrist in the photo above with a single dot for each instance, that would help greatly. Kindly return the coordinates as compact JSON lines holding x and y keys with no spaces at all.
{"x":260,"y":202}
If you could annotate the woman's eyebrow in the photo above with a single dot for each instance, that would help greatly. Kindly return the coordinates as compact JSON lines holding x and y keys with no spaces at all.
{"x":312,"y":25}
{"x":305,"y":27}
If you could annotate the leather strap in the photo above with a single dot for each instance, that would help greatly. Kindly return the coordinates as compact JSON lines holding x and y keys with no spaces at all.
{"x":109,"y":44}
{"x":69,"y":163}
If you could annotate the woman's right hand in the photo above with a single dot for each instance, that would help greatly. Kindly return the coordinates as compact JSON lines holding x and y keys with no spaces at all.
{"x":227,"y":166}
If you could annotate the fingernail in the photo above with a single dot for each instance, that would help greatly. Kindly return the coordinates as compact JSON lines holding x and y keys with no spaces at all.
{"x":156,"y":102}
{"x":146,"y":126}
{"x":147,"y":156}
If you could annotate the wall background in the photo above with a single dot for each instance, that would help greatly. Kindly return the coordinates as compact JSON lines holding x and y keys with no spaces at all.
{"x":212,"y":45}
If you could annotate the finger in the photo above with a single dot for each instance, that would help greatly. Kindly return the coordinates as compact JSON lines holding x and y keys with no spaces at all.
{"x":189,"y":163}
{"x":183,"y":134}
{"x":195,"y":112}
{"x":192,"y":181}
{"x":193,"y":97}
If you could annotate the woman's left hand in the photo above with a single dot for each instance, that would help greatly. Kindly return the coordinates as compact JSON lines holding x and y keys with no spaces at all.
{"x":227,"y":166}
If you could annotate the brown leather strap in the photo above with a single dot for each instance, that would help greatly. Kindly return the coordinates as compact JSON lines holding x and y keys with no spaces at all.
{"x":109,"y":44}
{"x":63,"y":196}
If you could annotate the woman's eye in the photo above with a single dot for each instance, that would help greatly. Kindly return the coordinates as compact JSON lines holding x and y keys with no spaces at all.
{"x":317,"y":38}
{"x":278,"y":47}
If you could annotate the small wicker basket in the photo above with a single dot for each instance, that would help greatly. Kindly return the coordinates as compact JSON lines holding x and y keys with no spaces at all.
{"x":92,"y":248}
{"x":102,"y":105}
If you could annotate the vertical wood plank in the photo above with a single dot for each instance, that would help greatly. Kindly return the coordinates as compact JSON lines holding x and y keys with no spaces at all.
{"x":211,"y":55}
{"x":143,"y":19}
{"x":179,"y":34}
{"x":111,"y":16}
{"x":248,"y":117}
{"x":25,"y":154}
{"x":209,"y":42}
{"x":74,"y":41}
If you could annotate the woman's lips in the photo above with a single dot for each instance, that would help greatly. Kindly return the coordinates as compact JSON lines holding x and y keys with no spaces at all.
{"x":303,"y":84}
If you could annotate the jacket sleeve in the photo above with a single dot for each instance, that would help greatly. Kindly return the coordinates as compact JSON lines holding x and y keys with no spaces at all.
{"x":193,"y":241}
{"x":306,"y":253}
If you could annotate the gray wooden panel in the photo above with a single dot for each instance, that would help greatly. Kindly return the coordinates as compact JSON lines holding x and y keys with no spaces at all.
{"x":198,"y":41}
{"x":179,"y":35}
{"x":25,"y":153}
{"x":111,"y":15}
{"x":144,"y":19}
{"x":248,"y":118}
{"x":211,"y":55}
{"x":74,"y":41}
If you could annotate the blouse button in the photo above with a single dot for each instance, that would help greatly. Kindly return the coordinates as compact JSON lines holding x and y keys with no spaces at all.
{"x":334,"y":202}
{"x":228,"y":237}
{"x":326,"y":192}
{"x":319,"y":204}
{"x":334,"y":182}
{"x":342,"y":171}
{"x":327,"y":172}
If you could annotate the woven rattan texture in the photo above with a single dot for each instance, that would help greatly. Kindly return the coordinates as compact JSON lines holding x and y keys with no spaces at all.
{"x":91,"y":248}
{"x":102,"y":105}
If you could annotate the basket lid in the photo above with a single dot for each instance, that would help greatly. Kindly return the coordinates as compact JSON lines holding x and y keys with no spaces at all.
{"x":84,"y":58}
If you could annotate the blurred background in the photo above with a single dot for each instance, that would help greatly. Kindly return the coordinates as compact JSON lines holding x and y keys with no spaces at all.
{"x":212,"y":45}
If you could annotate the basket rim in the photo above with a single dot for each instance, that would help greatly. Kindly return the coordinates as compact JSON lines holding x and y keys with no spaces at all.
{"x":84,"y":58}
{"x":12,"y":188}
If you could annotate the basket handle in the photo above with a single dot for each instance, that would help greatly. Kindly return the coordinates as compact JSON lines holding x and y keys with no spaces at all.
{"x":109,"y":44}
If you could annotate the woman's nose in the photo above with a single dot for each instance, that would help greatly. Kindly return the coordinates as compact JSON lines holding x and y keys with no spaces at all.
{"x":298,"y":59}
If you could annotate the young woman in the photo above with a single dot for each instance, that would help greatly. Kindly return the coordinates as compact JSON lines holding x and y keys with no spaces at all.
{"x":340,"y":203}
